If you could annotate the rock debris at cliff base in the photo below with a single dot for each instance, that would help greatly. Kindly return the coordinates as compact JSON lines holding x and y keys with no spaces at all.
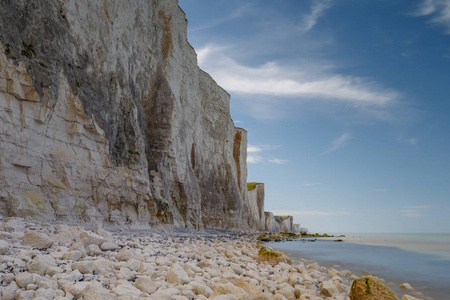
{"x":42,"y":261}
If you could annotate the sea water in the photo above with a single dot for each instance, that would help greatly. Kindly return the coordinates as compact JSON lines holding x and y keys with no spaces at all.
{"x":422,"y":260}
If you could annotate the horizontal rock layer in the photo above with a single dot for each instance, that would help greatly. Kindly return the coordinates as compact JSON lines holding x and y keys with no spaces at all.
{"x":106,"y":117}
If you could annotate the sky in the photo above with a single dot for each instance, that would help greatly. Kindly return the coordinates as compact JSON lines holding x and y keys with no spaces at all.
{"x":346,"y":104}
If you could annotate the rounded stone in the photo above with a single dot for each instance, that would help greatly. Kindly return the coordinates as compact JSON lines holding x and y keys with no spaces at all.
{"x":23,"y":279}
{"x":37,"y":240}
{"x":85,"y":267}
{"x":40,"y":264}
{"x":370,"y":288}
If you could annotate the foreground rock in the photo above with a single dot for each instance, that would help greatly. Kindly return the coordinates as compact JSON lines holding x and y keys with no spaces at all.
{"x":37,"y":240}
{"x":370,"y":288}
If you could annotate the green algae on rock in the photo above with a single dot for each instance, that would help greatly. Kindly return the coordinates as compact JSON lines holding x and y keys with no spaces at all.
{"x":272,"y":256}
{"x":370,"y":288}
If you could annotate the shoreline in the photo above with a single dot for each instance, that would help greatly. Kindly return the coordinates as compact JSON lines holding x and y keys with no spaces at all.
{"x":361,"y":260}
{"x":42,"y":261}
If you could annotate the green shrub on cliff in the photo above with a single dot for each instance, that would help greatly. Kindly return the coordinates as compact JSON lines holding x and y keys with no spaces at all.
{"x":251,"y":185}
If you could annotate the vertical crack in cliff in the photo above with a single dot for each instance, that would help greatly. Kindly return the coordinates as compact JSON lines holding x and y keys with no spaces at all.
{"x":237,"y":155}
{"x":166,"y":43}
{"x":157,"y":112}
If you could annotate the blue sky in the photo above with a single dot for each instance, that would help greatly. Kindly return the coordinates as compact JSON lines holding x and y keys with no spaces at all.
{"x":346,"y":104}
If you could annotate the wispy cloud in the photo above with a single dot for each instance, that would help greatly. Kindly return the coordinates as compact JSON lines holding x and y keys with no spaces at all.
{"x":409,"y":141}
{"x":420,"y":206}
{"x":338,"y":143}
{"x":411,"y":213}
{"x":312,"y":184}
{"x":273,"y":79}
{"x":239,"y":12}
{"x":254,"y":155}
{"x":438,"y":10}
{"x":318,"y":8}
{"x":253,"y":149}
{"x":309,"y":213}
{"x":414,"y":211}
{"x":277,"y":161}
{"x":255,"y":159}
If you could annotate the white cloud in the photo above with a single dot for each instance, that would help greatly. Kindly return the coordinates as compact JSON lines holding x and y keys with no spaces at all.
{"x":438,"y":10}
{"x":425,"y":8}
{"x":275,"y":80}
{"x":312,"y":184}
{"x":277,"y":161}
{"x":253,"y":149}
{"x":317,"y":10}
{"x":309,"y":213}
{"x":420,"y":206}
{"x":414,"y":211}
{"x":410,"y":141}
{"x":253,"y":158}
{"x":411,"y":213}
{"x":338,"y":143}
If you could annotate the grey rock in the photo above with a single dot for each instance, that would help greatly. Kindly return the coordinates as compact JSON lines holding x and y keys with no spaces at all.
{"x":85,"y":267}
{"x":93,"y":250}
{"x":37,"y":240}
{"x":24,"y":279}
{"x":108,"y":246}
{"x":40,"y":264}
{"x":4,"y":247}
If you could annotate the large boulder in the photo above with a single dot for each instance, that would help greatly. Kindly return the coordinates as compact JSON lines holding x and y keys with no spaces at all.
{"x":13,"y":225}
{"x":272,"y":256}
{"x":108,"y":246}
{"x":69,"y":235}
{"x":370,"y":288}
{"x":96,"y":291}
{"x":146,"y":284}
{"x":85,"y":267}
{"x":89,"y":238}
{"x":229,"y":288}
{"x":23,"y":279}
{"x":4,"y":247}
{"x":177,"y":275}
{"x":126,"y":254}
{"x":328,"y":288}
{"x":40,"y":264}
{"x":37,"y":240}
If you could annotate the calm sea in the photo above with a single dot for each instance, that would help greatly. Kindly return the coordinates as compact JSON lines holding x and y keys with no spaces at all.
{"x":422,"y":260}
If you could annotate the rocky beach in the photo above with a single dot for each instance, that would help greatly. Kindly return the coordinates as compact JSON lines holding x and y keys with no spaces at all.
{"x":43,"y":261}
{"x":122,"y":173}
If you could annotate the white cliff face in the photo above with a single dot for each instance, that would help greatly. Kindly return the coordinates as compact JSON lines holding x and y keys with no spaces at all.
{"x":106,"y":117}
{"x":55,"y":161}
{"x":287,"y":224}
{"x":271,"y":225}
{"x":256,"y":201}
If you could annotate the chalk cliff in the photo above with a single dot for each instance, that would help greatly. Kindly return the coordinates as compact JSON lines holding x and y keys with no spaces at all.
{"x":106,"y":117}
{"x":256,"y":201}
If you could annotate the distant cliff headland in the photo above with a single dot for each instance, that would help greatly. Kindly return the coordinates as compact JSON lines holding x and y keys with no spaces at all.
{"x":105,"y":117}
